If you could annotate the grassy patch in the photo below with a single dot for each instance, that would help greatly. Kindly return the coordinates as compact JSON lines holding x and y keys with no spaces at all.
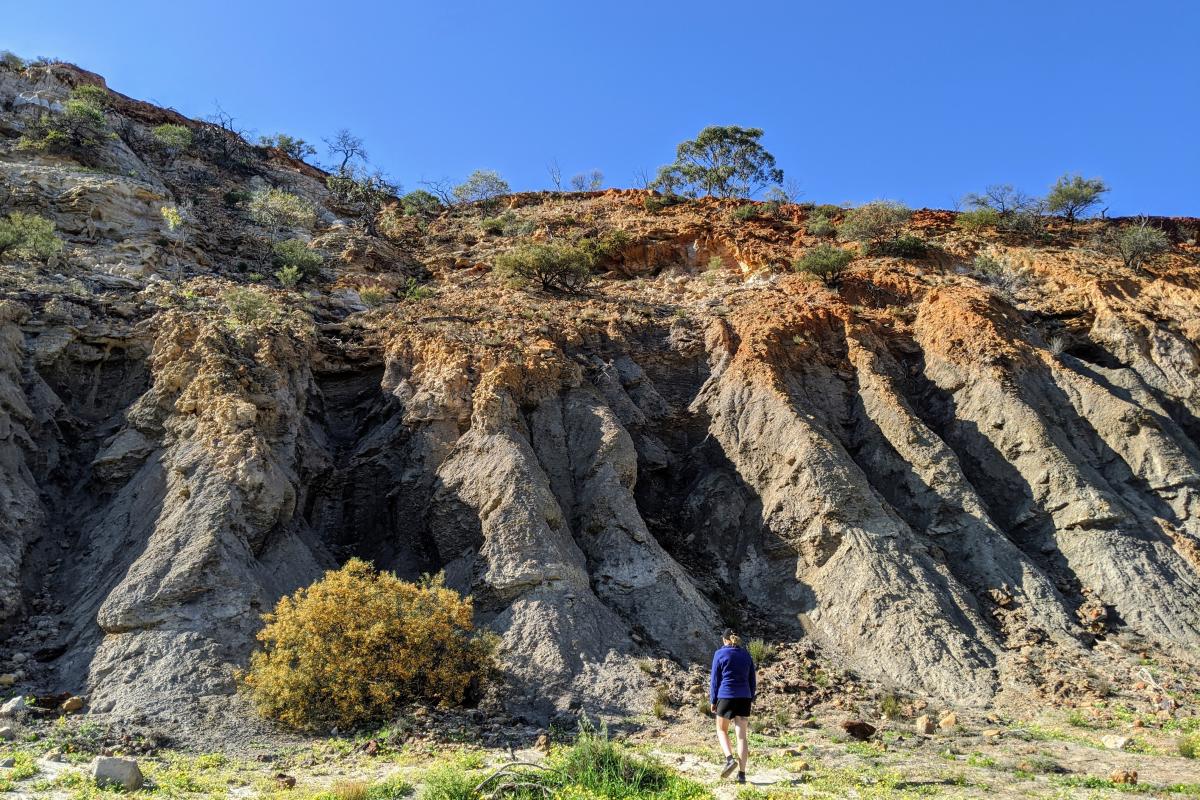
{"x":592,"y":767}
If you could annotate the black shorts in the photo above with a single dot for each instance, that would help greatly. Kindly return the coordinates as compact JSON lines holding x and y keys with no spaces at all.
{"x":730,"y":707}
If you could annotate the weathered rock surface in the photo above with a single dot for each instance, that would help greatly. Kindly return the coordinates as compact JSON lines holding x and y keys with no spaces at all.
{"x":910,"y":474}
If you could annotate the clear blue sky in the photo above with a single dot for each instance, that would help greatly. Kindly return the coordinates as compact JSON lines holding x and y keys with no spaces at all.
{"x":918,"y":101}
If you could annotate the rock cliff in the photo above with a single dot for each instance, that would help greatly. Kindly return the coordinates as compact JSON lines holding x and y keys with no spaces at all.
{"x":940,"y":480}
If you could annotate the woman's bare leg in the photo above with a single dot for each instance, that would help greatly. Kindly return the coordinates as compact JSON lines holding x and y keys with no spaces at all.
{"x":723,"y":736}
{"x":741,"y":723}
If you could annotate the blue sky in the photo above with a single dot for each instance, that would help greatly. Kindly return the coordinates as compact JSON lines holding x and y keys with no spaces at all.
{"x":917,"y":101}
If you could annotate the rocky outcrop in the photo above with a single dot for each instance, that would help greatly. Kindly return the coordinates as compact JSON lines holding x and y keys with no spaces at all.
{"x":935,"y":479}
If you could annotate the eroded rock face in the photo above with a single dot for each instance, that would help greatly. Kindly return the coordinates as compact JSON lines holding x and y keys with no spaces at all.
{"x":909,"y":473}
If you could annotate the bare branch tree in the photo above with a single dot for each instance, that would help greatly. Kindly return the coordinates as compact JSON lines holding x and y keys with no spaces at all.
{"x":555,"y":174}
{"x":346,"y":146}
{"x":587,"y":181}
{"x":443,"y":190}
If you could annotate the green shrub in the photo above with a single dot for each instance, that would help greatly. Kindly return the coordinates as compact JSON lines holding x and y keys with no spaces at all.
{"x":605,"y":768}
{"x":172,"y":139}
{"x":276,"y":209}
{"x":1073,"y":195}
{"x":171,"y":216}
{"x":236,"y":197}
{"x":891,"y":706}
{"x":450,"y":783}
{"x":827,"y":210}
{"x":556,"y":267}
{"x":903,"y":246}
{"x":824,"y":261}
{"x":1189,"y":746}
{"x":654,"y":202}
{"x":481,"y":186}
{"x":875,"y":223}
{"x":292,"y":146}
{"x":760,"y":651}
{"x":358,"y":644}
{"x":1139,"y":244}
{"x":289,"y":277}
{"x":295,"y":253}
{"x":820,"y":225}
{"x":746,"y":212}
{"x":248,"y":307}
{"x":493,"y":225}
{"x":608,"y":246}
{"x":11,"y":61}
{"x":978,"y":219}
{"x":415,"y":290}
{"x":361,"y":192}
{"x":80,"y":130}
{"x":28,"y":236}
{"x":374,"y":295}
{"x":392,"y":788}
{"x":987,"y":264}
{"x":420,"y":203}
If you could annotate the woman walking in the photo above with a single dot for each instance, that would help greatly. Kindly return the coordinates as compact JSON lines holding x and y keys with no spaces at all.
{"x":731,"y":694}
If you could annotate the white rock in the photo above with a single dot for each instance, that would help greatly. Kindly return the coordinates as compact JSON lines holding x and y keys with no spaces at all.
{"x":1114,"y":742}
{"x":122,"y":772}
{"x":14,"y":707}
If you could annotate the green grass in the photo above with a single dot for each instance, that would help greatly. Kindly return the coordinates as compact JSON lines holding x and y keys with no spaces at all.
{"x":1189,"y":746}
{"x":1094,"y":782}
{"x":23,"y":769}
{"x":592,"y":767}
{"x":760,"y":651}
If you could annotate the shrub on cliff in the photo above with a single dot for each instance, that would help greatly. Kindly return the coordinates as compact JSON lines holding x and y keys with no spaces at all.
{"x":820,"y":225}
{"x":28,"y":236}
{"x":874,"y":224}
{"x":361,"y":192}
{"x":79,"y":131}
{"x":172,"y":139}
{"x":1074,"y":195}
{"x":359,"y":643}
{"x":481,"y":186}
{"x":277,"y":209}
{"x":292,"y":146}
{"x":296,"y":261}
{"x":556,"y":267}
{"x":1138,"y":244}
{"x":824,"y":261}
{"x":978,"y":219}
{"x":11,"y":61}
{"x":419,"y":203}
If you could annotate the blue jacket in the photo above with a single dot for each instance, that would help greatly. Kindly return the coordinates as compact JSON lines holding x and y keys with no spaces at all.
{"x":732,"y":674}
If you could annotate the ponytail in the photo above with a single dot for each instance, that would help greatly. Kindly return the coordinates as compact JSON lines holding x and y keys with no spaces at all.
{"x":735,"y":640}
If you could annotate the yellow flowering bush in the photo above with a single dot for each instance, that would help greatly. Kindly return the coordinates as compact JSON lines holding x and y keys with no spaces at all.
{"x":359,"y":643}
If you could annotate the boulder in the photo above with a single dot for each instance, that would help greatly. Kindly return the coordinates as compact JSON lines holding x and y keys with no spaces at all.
{"x":112,"y":771}
{"x":8,"y":679}
{"x":948,"y":722}
{"x":1114,"y":742}
{"x":1125,"y":776}
{"x":14,"y":707}
{"x":72,"y":704}
{"x":858,"y":729}
{"x":924,"y":725}
{"x":7,"y":734}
